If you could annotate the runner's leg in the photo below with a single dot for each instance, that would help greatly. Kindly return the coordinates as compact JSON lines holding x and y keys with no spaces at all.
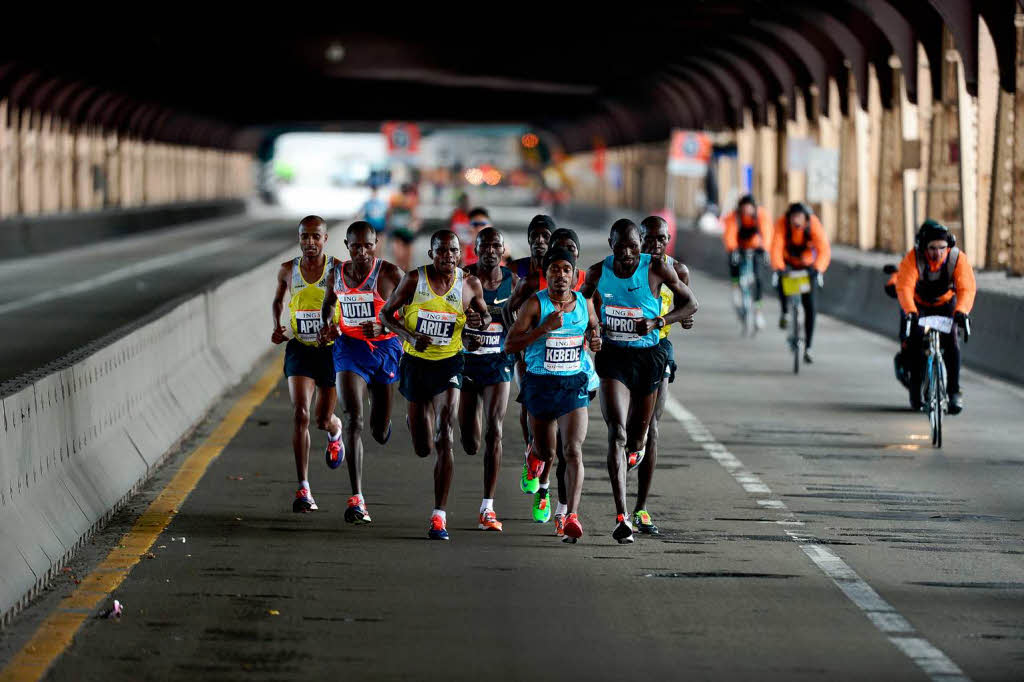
{"x":301,"y":390}
{"x":614,"y":407}
{"x":471,"y":409}
{"x":353,"y":393}
{"x":446,"y":406}
{"x":573,"y":430}
{"x":645,"y":472}
{"x":495,"y":403}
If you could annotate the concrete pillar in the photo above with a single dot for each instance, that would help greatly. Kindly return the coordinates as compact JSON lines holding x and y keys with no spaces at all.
{"x":780,"y":191}
{"x":969,"y":190}
{"x":828,"y":128}
{"x":796,"y":129}
{"x":1016,"y":259}
{"x":943,"y":196}
{"x":986,"y":114}
{"x":764,"y":173}
{"x":848,"y":223}
{"x":890,"y":175}
{"x":28,"y":172}
{"x":8,"y":155}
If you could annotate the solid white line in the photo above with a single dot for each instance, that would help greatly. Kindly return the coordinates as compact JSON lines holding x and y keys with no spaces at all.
{"x":881,"y":613}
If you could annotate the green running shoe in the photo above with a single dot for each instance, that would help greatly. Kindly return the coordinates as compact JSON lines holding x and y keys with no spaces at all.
{"x":542,"y":506}
{"x":643,"y":523}
{"x":528,"y":484}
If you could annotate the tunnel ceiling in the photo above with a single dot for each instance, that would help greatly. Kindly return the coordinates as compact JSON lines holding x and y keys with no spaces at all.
{"x":582,"y":76}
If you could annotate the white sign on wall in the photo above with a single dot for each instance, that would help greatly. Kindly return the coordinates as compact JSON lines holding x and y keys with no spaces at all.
{"x":822,"y":175}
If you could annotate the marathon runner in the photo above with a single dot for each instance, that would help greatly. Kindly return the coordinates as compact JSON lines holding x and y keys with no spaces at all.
{"x":655,"y":236}
{"x":487,"y":375}
{"x":553,"y":327}
{"x":430,"y":327}
{"x":366,"y":356}
{"x":626,"y":289}
{"x":307,"y":365}
{"x":403,"y":224}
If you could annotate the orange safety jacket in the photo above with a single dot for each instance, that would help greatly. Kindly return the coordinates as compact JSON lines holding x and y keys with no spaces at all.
{"x":735,"y":235}
{"x":918,"y":284}
{"x":805,"y":248}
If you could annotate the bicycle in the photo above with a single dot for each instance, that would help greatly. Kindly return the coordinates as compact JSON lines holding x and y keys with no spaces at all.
{"x":934,"y":398}
{"x":795,"y":283}
{"x":746,"y":310}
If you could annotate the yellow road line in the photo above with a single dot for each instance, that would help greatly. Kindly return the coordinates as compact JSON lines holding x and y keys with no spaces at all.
{"x":55,"y":633}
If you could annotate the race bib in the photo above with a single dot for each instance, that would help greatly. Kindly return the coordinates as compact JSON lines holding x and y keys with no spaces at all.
{"x":939,"y":323}
{"x":620,"y":323}
{"x":563,"y":354}
{"x":490,"y":339}
{"x":356,"y":309}
{"x":440,"y":327}
{"x":308,"y":324}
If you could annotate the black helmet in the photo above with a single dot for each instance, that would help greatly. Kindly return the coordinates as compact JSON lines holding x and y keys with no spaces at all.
{"x":932,"y":230}
{"x":799,"y":207}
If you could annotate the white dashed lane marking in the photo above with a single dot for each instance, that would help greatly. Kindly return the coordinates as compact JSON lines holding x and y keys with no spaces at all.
{"x":881,"y":613}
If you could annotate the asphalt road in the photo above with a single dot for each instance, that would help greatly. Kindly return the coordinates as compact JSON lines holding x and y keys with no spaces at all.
{"x":53,"y":304}
{"x":809,"y":532}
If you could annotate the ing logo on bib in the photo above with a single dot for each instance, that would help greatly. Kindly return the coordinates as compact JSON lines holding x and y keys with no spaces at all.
{"x":563,"y":354}
{"x":439,"y":326}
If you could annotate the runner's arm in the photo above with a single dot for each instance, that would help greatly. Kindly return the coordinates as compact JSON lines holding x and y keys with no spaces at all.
{"x":277,"y":306}
{"x":521,"y":291}
{"x":477,"y":314}
{"x":328,"y":330}
{"x":525,"y":330}
{"x":684,"y":276}
{"x":593,"y":333}
{"x":685,"y":301}
{"x":590,"y":283}
{"x":399,"y":297}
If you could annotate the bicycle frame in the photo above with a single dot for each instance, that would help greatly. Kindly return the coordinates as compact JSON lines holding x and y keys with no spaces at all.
{"x":746,"y":283}
{"x":799,"y":285}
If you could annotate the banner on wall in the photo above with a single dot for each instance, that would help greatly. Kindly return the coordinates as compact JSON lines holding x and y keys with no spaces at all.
{"x":689,"y":152}
{"x":822,"y":175}
{"x":403,"y":138}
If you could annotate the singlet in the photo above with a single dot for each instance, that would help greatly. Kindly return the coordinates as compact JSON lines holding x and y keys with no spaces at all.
{"x":360,"y":303}
{"x":932,"y":286}
{"x":668,"y":300}
{"x":440,"y":317}
{"x":523,"y":267}
{"x":401,"y":216}
{"x":560,"y":352}
{"x":626,"y":300}
{"x":492,"y":339}
{"x":307,"y":299}
{"x":376,"y":212}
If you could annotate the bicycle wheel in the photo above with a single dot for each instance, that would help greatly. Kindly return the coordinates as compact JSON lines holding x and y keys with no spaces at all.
{"x":934,"y":405}
{"x":748,"y":312}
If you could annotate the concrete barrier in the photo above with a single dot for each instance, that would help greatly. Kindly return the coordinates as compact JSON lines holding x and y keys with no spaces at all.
{"x":78,"y":441}
{"x":854,"y":292}
{"x":29,"y":235}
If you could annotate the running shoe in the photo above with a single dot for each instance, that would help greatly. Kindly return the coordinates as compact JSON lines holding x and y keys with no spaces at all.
{"x":489,"y":521}
{"x":573,"y":527}
{"x":335,"y":453}
{"x":759,"y":320}
{"x":542,"y":506}
{"x":437,"y":531}
{"x":560,"y":525}
{"x":783,"y":322}
{"x":528,"y":483}
{"x":356,"y":511}
{"x":643,"y":523}
{"x":303,"y":502}
{"x":633,"y":459}
{"x":622,"y":533}
{"x":808,"y":356}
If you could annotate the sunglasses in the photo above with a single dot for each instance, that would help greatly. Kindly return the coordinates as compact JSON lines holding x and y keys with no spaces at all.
{"x":479,"y":223}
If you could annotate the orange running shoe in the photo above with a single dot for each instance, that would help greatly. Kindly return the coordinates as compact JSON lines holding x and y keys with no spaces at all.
{"x":356,"y":511}
{"x":573,"y":527}
{"x":437,"y":530}
{"x":559,"y":525}
{"x":489,"y":521}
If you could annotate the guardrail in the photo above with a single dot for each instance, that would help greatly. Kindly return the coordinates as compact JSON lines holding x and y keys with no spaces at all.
{"x":78,"y":442}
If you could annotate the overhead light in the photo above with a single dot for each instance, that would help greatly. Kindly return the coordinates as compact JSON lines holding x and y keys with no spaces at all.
{"x":335,"y":52}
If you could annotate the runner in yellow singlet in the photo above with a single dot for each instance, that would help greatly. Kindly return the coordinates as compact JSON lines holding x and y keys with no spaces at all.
{"x":307,"y":365}
{"x":435,"y":302}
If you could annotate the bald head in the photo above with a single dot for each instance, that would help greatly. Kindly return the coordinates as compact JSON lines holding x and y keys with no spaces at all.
{"x":622,"y":228}
{"x":652,"y":223}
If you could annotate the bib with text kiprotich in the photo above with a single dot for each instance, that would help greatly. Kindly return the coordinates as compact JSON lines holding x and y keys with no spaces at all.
{"x":620,"y":322}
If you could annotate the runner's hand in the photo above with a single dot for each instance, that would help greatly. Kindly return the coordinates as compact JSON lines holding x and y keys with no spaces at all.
{"x":552,"y":321}
{"x":327,"y":334}
{"x":595,"y":342}
{"x":686,"y":322}
{"x":472,"y":342}
{"x":474,"y":319}
{"x":372,"y":329}
{"x":423,"y":342}
{"x":646,"y":325}
{"x":278,"y":335}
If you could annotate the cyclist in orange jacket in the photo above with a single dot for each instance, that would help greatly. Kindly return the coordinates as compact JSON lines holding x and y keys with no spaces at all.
{"x":748,"y":227}
{"x":935,"y":278}
{"x":799,"y":243}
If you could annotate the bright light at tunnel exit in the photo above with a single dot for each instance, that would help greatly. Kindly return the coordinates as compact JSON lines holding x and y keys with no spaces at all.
{"x":474,"y":176}
{"x":530,"y":140}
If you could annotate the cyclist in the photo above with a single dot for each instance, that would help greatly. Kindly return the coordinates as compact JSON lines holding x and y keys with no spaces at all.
{"x":748,"y":227}
{"x":799,"y":243}
{"x":935,"y":278}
